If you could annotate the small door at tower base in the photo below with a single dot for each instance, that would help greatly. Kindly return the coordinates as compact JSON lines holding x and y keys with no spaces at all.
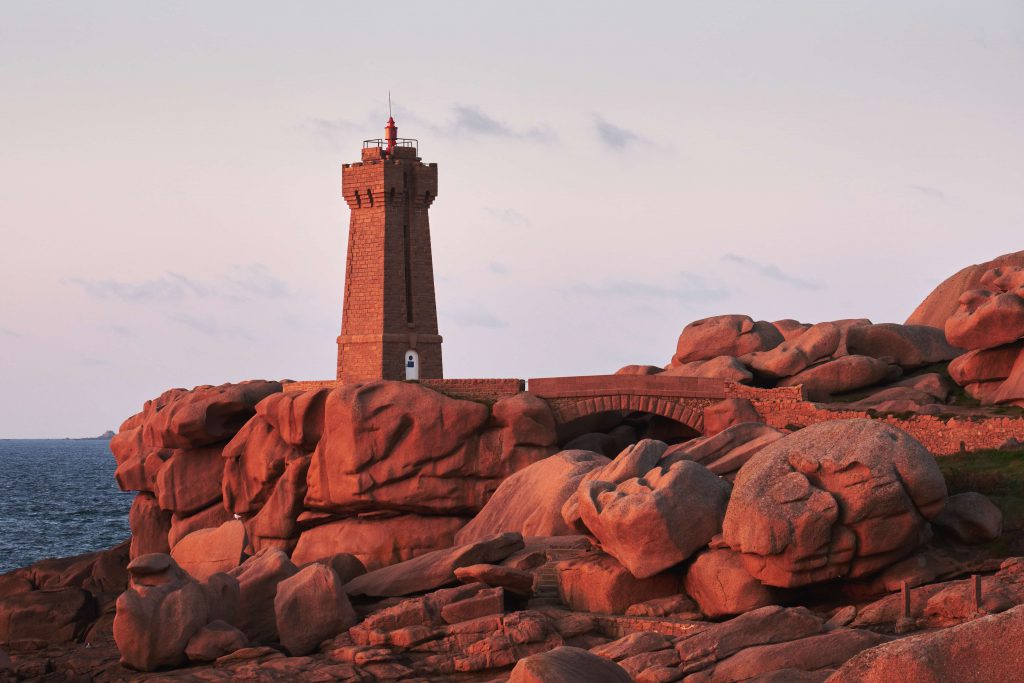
{"x":412,"y":366}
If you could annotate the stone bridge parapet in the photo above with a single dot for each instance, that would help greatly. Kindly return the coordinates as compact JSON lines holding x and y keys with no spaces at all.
{"x":682,"y":399}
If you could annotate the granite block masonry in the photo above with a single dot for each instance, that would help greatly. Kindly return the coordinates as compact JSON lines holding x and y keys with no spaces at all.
{"x":389,"y":317}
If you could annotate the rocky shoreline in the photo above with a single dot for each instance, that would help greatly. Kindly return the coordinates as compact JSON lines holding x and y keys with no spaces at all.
{"x":386,"y":531}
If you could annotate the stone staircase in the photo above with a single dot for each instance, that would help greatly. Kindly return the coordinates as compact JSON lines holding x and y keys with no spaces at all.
{"x":545,"y":579}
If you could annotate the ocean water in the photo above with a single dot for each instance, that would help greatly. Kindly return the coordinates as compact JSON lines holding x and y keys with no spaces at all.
{"x":58,"y":498}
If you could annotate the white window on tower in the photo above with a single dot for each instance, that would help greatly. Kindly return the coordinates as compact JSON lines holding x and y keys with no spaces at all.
{"x":412,"y":366}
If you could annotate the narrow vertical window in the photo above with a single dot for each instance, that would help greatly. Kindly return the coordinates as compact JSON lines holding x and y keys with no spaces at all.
{"x":408,"y":274}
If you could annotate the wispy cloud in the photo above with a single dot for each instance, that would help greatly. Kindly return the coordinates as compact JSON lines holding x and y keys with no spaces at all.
{"x":471,"y":120}
{"x":772,"y":272}
{"x":211,"y":327}
{"x":241,"y":283}
{"x":339,"y":132}
{"x":473,"y":317}
{"x":509,"y":217}
{"x":464,"y":121}
{"x":8,"y":332}
{"x":616,"y":137}
{"x":258,"y":281}
{"x":688,"y":288}
{"x":497,"y":268}
{"x":169,"y":287}
{"x":929,"y":191}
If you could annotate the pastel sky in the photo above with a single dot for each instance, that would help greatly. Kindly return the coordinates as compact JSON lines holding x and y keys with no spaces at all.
{"x":170,"y":209}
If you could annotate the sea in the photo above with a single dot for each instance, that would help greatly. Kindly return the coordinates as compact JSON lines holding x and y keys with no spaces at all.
{"x":58,"y":498}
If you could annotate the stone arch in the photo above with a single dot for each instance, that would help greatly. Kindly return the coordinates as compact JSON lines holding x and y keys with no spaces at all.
{"x":672,"y":408}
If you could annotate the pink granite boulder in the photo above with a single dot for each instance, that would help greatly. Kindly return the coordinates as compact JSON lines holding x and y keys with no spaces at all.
{"x":149,"y":525}
{"x":258,"y":579}
{"x":726,"y":452}
{"x":530,"y":501}
{"x":985,"y":365}
{"x":567,"y":665}
{"x":909,"y":346}
{"x":726,"y":368}
{"x":841,"y":375}
{"x":655,"y":521}
{"x":206,"y":552}
{"x":433,"y":570}
{"x":403,"y":447}
{"x":724,"y":335}
{"x":970,"y":518}
{"x":721,"y":586}
{"x":213,"y":641}
{"x":943,"y":301}
{"x":837,"y":499}
{"x":987,"y":319}
{"x":310,"y":607}
{"x":790,"y":357}
{"x":979,"y":651}
{"x":378,"y":540}
{"x":598,"y":583}
{"x":638,"y":370}
{"x":206,"y":415}
{"x":732,"y":411}
{"x":158,"y":614}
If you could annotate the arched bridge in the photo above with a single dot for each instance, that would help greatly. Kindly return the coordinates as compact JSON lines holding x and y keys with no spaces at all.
{"x":682,"y":399}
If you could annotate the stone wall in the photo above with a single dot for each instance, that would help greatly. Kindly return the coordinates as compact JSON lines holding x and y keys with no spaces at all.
{"x":785,"y":408}
{"x":684,"y":399}
{"x":480,"y":390}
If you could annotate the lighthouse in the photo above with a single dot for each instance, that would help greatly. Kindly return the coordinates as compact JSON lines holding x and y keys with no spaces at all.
{"x":389,"y":314}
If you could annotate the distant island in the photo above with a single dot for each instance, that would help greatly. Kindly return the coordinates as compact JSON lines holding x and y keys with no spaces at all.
{"x":106,"y":436}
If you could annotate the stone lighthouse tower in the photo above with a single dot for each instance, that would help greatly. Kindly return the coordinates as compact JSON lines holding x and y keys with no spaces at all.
{"x":389,"y":319}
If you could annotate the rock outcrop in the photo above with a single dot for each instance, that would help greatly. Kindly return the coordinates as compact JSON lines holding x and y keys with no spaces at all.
{"x":970,"y":518}
{"x":652,"y":522}
{"x":208,"y":551}
{"x":433,"y":570}
{"x":721,"y":586}
{"x":837,"y":499}
{"x":376,"y":434}
{"x":310,"y":607}
{"x":530,"y":501}
{"x":377,"y":540}
{"x":942,"y":303}
{"x":725,"y":335}
{"x":159,"y":614}
{"x":989,"y":323}
{"x":732,"y":411}
{"x":567,"y":665}
{"x":599,"y":583}
{"x":171,"y":453}
{"x":979,"y":651}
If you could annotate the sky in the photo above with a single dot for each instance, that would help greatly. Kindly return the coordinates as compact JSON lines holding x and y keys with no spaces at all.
{"x":170,"y":208}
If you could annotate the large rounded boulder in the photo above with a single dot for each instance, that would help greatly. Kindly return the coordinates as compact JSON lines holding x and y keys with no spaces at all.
{"x":653,"y":522}
{"x":944,"y":300}
{"x":990,"y":323}
{"x":530,"y":501}
{"x":403,"y":447}
{"x":987,"y":319}
{"x":837,"y":499}
{"x":725,"y":335}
